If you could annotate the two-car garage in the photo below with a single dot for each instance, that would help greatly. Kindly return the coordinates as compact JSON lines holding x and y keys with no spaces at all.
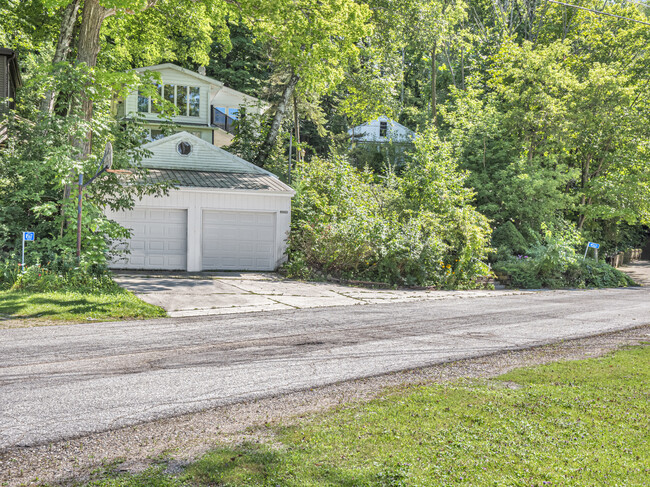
{"x":230,"y":240}
{"x":213,"y":220}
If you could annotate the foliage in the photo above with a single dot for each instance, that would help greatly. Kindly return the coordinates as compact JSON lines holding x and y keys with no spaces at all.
{"x":508,"y":240}
{"x":566,"y":423}
{"x":416,"y":229}
{"x":43,"y":158}
{"x":63,"y":273}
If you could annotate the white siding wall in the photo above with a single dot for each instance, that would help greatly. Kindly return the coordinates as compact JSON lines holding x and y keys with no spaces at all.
{"x":370,"y":132}
{"x":203,"y":133}
{"x":196,"y":200}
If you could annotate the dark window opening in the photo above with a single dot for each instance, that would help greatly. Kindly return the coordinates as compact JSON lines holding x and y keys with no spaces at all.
{"x":383,"y":129}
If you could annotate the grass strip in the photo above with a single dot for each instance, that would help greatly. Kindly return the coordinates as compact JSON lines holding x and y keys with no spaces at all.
{"x":74,"y":306}
{"x":571,"y":423}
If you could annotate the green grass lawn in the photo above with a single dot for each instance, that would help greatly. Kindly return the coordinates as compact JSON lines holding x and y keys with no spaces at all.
{"x":574,"y":423}
{"x":74,"y":307}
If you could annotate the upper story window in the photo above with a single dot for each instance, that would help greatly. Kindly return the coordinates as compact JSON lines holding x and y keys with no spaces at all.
{"x":186,"y":98}
{"x":383,"y":129}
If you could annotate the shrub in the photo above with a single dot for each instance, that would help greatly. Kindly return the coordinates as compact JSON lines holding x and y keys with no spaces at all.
{"x":508,"y":241}
{"x":417,"y":229}
{"x":61,"y":274}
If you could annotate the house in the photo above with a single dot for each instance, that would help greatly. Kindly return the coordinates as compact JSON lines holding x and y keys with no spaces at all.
{"x":10,"y":81}
{"x":382,"y":130}
{"x":226,"y":213}
{"x":207,"y":108}
{"x":381,"y":142}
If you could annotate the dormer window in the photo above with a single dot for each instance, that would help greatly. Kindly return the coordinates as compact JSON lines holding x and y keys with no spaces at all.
{"x":383,"y":129}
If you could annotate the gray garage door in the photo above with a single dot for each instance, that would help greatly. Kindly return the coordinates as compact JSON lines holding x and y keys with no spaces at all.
{"x":159,"y":239}
{"x":237,"y":240}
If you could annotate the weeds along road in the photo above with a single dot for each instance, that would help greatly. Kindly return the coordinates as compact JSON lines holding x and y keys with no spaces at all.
{"x":59,"y":382}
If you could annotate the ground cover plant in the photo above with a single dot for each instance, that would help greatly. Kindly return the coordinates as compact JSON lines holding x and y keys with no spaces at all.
{"x":568,"y":423}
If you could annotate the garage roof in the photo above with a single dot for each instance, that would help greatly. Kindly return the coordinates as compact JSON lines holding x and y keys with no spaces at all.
{"x":219,"y":180}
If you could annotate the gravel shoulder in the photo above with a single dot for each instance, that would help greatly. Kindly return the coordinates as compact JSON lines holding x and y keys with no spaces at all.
{"x":178,"y":440}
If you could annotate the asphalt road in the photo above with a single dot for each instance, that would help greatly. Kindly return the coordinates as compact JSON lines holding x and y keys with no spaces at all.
{"x":59,"y":382}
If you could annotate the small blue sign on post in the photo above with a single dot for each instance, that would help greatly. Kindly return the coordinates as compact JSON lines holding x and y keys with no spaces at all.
{"x":592,"y":245}
{"x":27,"y":237}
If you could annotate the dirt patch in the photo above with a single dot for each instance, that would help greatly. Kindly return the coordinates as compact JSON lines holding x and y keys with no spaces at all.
{"x":182,"y":439}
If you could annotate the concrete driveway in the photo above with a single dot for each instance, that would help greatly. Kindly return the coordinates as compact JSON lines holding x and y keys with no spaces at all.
{"x":225,"y":293}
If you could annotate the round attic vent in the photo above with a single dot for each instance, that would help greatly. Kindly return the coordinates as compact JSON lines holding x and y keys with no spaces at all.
{"x":184,"y":148}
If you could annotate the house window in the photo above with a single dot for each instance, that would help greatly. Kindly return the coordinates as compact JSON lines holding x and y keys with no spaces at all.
{"x":143,"y":102}
{"x":168,"y":93}
{"x":186,"y":98}
{"x":154,"y":104}
{"x":194,"y":101}
{"x":156,"y":134}
{"x":184,"y":148}
{"x":233,"y":113}
{"x":383,"y":129}
{"x":181,"y":99}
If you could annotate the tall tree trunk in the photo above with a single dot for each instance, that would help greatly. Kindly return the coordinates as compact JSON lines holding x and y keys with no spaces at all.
{"x":93,"y":16}
{"x":296,"y":123}
{"x":462,"y":68}
{"x":434,"y":75}
{"x":68,"y":21}
{"x":272,"y":135}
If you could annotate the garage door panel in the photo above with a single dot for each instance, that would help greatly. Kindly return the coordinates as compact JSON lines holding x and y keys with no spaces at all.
{"x":159,"y":239}
{"x":238,"y":240}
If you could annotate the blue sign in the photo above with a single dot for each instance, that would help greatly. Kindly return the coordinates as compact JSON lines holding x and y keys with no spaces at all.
{"x":28,"y":236}
{"x":593,"y":245}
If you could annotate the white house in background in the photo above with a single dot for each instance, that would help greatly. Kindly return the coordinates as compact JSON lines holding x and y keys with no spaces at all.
{"x":227,"y":214}
{"x":381,"y":131}
{"x":208,"y":108}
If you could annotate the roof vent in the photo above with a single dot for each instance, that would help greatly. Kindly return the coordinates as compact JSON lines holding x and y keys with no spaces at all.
{"x":184,"y":148}
{"x":202,"y":70}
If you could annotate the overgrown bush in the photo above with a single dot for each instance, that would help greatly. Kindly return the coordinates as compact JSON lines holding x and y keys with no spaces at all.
{"x":416,"y":229}
{"x":61,"y":274}
{"x":553,"y":263}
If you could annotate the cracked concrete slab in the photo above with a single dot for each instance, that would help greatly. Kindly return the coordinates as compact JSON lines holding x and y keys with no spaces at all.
{"x":216,"y":293}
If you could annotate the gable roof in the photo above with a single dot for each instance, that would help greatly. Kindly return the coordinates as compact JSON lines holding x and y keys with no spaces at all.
{"x":204,"y":156}
{"x":200,"y":77}
{"x":207,"y":166}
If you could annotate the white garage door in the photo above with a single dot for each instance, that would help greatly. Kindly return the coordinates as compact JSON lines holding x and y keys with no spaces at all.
{"x":237,"y":240}
{"x":159,"y":239}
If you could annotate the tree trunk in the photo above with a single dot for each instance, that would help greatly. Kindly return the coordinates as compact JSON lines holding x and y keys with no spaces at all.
{"x":93,"y":16}
{"x":271,"y":137}
{"x":62,"y":47}
{"x":434,"y":75}
{"x":296,"y":123}
{"x":462,"y":68}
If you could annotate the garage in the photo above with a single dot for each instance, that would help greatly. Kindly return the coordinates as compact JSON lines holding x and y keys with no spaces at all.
{"x":159,"y":238}
{"x":238,"y":240}
{"x":223,"y":213}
